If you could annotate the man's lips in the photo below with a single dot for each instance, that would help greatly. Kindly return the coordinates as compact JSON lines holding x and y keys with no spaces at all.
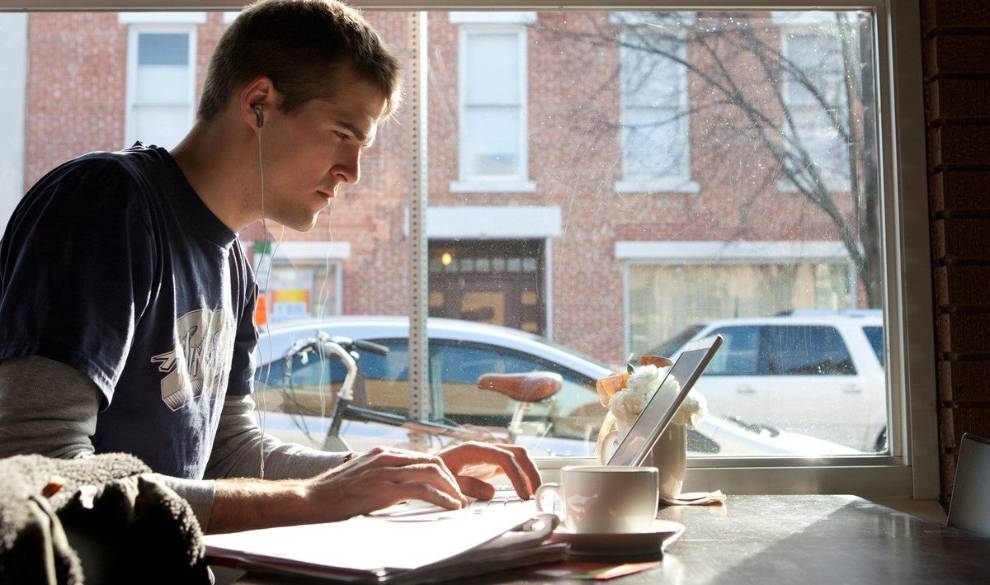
{"x":328,"y":195}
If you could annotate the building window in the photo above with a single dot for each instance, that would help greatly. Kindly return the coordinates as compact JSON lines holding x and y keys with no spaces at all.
{"x":300,"y":280}
{"x":492,"y":118}
{"x":654,"y":119}
{"x":160,"y":83}
{"x":666,"y":298}
{"x":302,"y":290}
{"x":815,"y":100}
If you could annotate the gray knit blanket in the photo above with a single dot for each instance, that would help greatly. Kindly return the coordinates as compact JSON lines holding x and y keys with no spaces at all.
{"x":101,"y":519}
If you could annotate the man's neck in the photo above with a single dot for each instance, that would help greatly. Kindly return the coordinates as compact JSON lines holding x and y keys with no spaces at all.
{"x":220,"y":171}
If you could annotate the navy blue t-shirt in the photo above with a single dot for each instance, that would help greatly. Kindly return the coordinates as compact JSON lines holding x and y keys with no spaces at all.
{"x":112,"y":264}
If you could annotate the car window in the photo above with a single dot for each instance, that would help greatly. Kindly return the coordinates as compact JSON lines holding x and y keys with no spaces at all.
{"x":739,"y":354}
{"x":573,"y":413}
{"x":874,"y":334}
{"x":312,"y":382}
{"x":310,"y":373}
{"x":801,"y":350}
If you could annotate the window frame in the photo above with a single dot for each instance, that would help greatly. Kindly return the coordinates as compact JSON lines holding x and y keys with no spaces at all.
{"x":151,"y":25}
{"x":912,"y":470}
{"x":473,"y":183}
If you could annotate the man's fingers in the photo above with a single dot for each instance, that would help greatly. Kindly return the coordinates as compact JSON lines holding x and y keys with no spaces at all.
{"x":529,"y":469}
{"x":408,"y":458}
{"x":418,"y":474}
{"x":468,"y":455}
{"x":385,"y":457}
{"x":475,"y":488}
{"x":428,"y":493}
{"x":507,"y":461}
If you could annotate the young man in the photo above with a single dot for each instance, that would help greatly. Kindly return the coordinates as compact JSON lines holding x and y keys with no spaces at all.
{"x":126,"y":302}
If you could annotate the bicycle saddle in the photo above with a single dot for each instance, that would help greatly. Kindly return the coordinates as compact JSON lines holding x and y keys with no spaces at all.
{"x":527,"y":387}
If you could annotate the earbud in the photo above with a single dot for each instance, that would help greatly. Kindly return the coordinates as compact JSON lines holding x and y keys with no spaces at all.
{"x":259,"y":114}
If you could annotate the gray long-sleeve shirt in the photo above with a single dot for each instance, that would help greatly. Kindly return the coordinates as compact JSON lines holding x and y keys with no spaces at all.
{"x":50,"y":408}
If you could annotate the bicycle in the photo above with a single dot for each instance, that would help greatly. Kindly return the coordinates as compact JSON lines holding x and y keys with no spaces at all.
{"x":526,"y":389}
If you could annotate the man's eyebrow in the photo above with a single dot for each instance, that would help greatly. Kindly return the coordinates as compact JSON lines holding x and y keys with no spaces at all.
{"x":353,"y":130}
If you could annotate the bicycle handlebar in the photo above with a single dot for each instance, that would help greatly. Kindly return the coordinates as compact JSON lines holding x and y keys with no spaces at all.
{"x":301,"y":346}
{"x":366,"y":346}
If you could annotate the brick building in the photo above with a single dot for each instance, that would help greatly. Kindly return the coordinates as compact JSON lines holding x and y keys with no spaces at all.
{"x":561,"y":200}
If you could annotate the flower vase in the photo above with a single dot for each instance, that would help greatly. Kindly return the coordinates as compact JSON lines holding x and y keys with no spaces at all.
{"x":670,"y":458}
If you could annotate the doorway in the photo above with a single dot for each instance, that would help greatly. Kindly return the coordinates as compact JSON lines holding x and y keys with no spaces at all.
{"x":489,"y":281}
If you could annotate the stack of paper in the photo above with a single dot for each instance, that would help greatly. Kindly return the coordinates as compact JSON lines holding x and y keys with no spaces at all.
{"x":402,"y":549}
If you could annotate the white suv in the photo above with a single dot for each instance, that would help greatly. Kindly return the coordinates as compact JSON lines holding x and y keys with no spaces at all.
{"x":812,"y":372}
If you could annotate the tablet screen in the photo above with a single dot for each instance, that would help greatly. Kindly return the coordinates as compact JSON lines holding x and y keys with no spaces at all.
{"x":662,"y":406}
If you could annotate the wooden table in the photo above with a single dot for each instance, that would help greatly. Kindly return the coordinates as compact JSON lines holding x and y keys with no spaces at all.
{"x":801,"y":540}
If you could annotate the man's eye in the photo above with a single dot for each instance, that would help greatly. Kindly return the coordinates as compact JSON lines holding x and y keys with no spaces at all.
{"x":341,"y":135}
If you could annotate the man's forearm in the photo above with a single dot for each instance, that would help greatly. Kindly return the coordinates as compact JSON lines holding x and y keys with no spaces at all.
{"x":246,"y":504}
{"x":240,"y":442}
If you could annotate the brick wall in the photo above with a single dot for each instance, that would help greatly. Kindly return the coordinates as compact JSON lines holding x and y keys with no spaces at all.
{"x":956,"y":37}
{"x":77,"y":106}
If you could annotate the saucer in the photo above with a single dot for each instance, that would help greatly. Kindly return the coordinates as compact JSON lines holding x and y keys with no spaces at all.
{"x":612,"y":544}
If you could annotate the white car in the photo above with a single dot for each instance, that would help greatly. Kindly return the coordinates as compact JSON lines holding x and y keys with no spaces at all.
{"x":816,"y":373}
{"x":297,"y":397}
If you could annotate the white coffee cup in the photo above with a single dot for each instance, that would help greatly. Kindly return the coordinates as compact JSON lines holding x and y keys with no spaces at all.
{"x":601,"y":500}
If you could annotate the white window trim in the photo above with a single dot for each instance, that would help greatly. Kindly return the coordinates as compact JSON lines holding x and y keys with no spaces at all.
{"x":707,"y":252}
{"x":658,"y":185}
{"x":161,"y":18}
{"x":230,"y":16}
{"x":669,"y":184}
{"x":132,"y":55}
{"x":797,"y":25}
{"x":913,"y":470}
{"x":494,"y":222}
{"x":492,"y":184}
{"x":492,"y":17}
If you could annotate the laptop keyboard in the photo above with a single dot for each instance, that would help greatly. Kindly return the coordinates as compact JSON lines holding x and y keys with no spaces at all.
{"x":419,"y":510}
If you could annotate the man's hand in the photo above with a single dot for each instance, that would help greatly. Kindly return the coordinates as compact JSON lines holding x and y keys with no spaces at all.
{"x":472,"y":463}
{"x":382,"y":477}
{"x":372,"y":481}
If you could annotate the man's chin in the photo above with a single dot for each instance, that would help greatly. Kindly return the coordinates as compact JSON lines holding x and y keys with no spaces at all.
{"x":302,"y":224}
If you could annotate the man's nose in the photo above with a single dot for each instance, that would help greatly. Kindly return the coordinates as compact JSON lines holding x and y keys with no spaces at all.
{"x":349,"y":169}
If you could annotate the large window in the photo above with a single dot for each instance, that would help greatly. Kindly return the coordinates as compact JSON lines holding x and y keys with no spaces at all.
{"x":656,"y":152}
{"x":665,"y":298}
{"x":560,"y":147}
{"x":493,"y":102}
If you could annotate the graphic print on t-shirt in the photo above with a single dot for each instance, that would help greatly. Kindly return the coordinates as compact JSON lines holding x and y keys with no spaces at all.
{"x":200,"y":363}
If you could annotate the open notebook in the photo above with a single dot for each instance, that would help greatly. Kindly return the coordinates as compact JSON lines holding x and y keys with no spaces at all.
{"x":376,"y":549}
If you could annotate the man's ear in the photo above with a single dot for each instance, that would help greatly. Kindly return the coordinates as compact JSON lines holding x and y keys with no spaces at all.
{"x":256,"y":101}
